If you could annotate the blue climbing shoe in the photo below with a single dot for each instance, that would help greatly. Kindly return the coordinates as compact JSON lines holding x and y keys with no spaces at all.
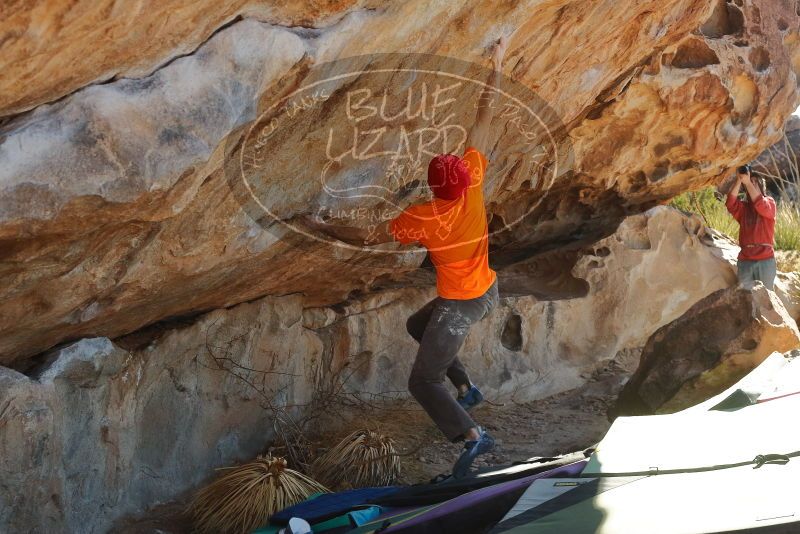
{"x":471,"y":451}
{"x":471,"y":398}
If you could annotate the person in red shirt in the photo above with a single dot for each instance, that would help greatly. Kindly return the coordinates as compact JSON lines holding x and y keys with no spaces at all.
{"x":756,"y":218}
{"x":453,"y":227}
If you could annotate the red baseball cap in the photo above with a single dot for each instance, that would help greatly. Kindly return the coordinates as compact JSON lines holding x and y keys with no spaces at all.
{"x":448,"y":176}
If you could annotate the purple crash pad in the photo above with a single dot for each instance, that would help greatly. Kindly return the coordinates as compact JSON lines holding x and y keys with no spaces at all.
{"x":487,"y":504}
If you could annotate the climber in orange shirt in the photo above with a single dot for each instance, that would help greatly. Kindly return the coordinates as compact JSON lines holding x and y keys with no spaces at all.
{"x":453,"y":227}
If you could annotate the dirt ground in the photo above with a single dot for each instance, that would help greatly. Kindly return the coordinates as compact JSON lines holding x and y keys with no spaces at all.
{"x":567,"y":422}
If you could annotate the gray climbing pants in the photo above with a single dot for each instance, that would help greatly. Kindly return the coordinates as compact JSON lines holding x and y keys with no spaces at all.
{"x":763,"y":270}
{"x":440,"y":327}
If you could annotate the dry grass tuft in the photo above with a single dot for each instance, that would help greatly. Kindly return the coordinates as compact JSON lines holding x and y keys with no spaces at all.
{"x":245,"y":497}
{"x":788,"y":260}
{"x":364,"y":458}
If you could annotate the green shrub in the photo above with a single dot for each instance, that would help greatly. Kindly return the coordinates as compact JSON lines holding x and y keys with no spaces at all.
{"x":704,"y":203}
{"x":787,"y":227}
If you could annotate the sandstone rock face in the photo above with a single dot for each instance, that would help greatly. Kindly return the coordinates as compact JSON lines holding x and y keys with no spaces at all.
{"x":787,"y":286}
{"x":102,"y":429}
{"x":181,"y":320}
{"x":105,"y":431}
{"x":52,"y":48}
{"x":718,"y":341}
{"x":115,"y":210}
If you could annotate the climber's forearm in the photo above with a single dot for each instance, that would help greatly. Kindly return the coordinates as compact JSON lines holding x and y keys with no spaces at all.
{"x":488,"y":99}
{"x":734,"y":190}
{"x":752,"y":191}
{"x":478,"y":136}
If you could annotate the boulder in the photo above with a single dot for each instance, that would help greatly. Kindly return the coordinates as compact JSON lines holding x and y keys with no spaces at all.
{"x":45,"y":42}
{"x":105,"y":428}
{"x":116,"y":205}
{"x":100,"y":429}
{"x":787,"y":286}
{"x":710,"y":347}
{"x":152,"y":323}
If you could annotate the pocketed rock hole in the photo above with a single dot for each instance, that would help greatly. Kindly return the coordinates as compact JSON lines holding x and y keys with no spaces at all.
{"x":759,"y":59}
{"x":496,"y":223}
{"x":658,"y":173}
{"x":602,"y":252}
{"x":511,"y":337}
{"x":726,"y":19}
{"x":694,"y":54}
{"x":662,"y":148}
{"x":680,"y":166}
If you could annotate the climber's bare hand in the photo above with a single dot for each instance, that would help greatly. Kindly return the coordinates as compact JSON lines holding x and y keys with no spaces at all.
{"x":499,"y":52}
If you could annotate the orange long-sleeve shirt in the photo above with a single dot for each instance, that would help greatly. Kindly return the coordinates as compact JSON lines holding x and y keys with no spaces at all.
{"x":456,"y":234}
